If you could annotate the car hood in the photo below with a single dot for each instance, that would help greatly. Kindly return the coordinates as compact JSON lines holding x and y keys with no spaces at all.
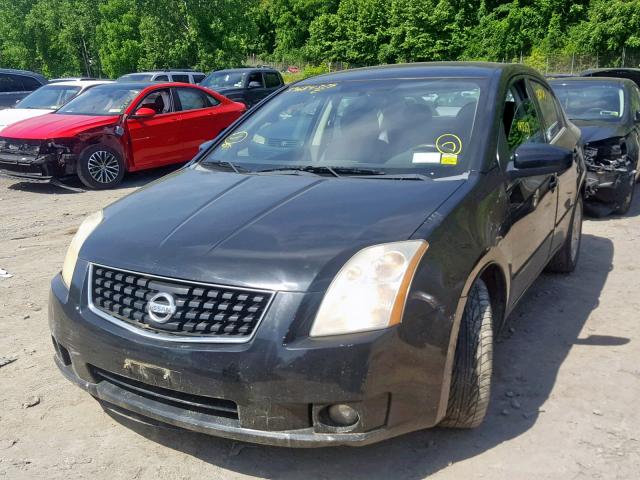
{"x":278,"y":232}
{"x":13,"y":115}
{"x":56,"y":125}
{"x":595,"y":131}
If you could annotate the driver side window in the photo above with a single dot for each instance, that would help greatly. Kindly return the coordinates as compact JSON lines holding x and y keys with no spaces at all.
{"x":255,"y":77}
{"x":520,"y":118}
{"x":158,"y":100}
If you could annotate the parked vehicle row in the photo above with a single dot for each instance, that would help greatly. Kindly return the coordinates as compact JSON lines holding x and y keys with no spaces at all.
{"x":333,"y":268}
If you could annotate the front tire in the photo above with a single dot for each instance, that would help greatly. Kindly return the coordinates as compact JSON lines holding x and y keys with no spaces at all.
{"x":471,"y":380}
{"x":100,"y":167}
{"x":566,"y":259}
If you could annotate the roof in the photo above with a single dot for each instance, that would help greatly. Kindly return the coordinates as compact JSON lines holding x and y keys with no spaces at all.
{"x":153,"y":72}
{"x":143,"y":85}
{"x":81,"y":83}
{"x":420,"y":70}
{"x":619,"y":80}
{"x":27,"y":73}
{"x":245,"y":69}
{"x":611,"y":69}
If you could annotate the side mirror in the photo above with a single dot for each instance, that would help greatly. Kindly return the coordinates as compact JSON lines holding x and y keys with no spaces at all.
{"x":531,"y":159}
{"x":205,"y":146}
{"x":254,"y":85}
{"x":144,"y":112}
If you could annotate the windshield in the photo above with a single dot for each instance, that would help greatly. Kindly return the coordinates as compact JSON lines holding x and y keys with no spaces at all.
{"x":49,"y":97}
{"x":422,"y":126}
{"x":223,"y":80}
{"x":102,"y":100}
{"x":136,"y":77}
{"x":591,"y":100}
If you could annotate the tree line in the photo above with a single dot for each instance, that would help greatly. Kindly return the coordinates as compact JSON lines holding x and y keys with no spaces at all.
{"x":112,"y":37}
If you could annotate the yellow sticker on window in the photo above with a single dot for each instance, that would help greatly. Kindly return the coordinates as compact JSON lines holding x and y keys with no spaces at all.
{"x":449,"y":159}
{"x":236,"y":137}
{"x":312,"y":88}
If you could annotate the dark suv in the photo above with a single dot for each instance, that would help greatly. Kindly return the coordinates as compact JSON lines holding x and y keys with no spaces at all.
{"x":17,"y":84}
{"x":246,"y":85}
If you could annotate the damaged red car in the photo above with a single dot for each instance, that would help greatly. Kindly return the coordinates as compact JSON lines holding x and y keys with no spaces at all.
{"x":113,"y":129}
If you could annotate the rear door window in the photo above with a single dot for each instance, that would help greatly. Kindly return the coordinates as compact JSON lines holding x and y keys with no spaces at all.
{"x":161,"y":78}
{"x":11,"y":83}
{"x":180,"y":78}
{"x":30,"y":83}
{"x":192,"y":99}
{"x":271,"y":80}
{"x":198,"y":77}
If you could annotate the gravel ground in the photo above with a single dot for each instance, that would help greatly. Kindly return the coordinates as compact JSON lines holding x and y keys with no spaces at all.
{"x":564,"y":402}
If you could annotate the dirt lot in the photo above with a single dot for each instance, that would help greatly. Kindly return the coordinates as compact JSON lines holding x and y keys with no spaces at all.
{"x":565,"y":398}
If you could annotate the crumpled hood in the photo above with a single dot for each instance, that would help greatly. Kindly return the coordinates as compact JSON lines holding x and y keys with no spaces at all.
{"x":595,"y":131}
{"x":56,"y":125}
{"x":280,"y":232}
{"x":9,"y":116}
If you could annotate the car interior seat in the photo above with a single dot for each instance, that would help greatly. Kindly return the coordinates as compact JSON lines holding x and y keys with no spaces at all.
{"x":359,"y":127}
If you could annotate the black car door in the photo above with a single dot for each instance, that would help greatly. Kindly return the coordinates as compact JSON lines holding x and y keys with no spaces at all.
{"x":532,"y":199}
{"x":557,"y":132}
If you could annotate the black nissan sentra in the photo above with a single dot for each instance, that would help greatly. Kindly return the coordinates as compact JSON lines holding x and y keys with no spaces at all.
{"x":334,"y":267}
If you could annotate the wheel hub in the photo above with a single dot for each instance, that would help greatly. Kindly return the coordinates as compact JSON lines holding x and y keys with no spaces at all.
{"x":103,"y":166}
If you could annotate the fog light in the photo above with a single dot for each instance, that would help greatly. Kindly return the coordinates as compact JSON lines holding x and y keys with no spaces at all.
{"x":343,"y":415}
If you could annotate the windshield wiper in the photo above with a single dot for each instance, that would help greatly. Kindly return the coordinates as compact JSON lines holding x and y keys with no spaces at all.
{"x":227,"y":163}
{"x":317,"y":169}
{"x":401,"y":176}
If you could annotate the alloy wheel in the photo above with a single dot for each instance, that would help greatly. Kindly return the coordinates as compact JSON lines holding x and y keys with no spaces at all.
{"x":103,"y":166}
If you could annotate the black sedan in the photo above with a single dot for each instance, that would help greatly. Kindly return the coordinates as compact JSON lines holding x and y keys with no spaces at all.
{"x":607,"y":110}
{"x":342,"y":285}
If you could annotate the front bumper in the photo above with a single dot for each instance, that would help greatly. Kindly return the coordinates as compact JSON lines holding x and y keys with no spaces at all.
{"x":279,"y":388}
{"x":41,"y":168}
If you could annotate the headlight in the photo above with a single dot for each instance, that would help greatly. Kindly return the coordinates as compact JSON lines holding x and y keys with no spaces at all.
{"x":370,"y":290}
{"x":86,"y":227}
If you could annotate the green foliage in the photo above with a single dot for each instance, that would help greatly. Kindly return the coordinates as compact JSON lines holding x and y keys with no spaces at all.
{"x":112,"y":37}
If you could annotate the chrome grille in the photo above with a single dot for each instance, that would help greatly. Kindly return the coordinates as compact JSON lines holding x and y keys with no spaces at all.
{"x":201,"y":310}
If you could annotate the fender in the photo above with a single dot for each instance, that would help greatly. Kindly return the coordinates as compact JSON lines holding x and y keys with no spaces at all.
{"x":493,"y":257}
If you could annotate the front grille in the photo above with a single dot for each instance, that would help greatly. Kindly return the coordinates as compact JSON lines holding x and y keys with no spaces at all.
{"x":209,"y":311}
{"x":194,"y":403}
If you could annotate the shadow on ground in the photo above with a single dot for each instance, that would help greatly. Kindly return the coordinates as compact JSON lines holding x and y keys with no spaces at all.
{"x":540,"y":333}
{"x":75,"y":186}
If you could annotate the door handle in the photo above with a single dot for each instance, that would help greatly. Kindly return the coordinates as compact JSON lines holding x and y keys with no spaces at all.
{"x":553,"y":182}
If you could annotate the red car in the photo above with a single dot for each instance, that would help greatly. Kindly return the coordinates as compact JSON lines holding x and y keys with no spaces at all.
{"x":116,"y":128}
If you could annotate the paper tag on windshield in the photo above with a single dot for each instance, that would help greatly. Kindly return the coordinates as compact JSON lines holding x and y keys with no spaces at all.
{"x":426,"y":157}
